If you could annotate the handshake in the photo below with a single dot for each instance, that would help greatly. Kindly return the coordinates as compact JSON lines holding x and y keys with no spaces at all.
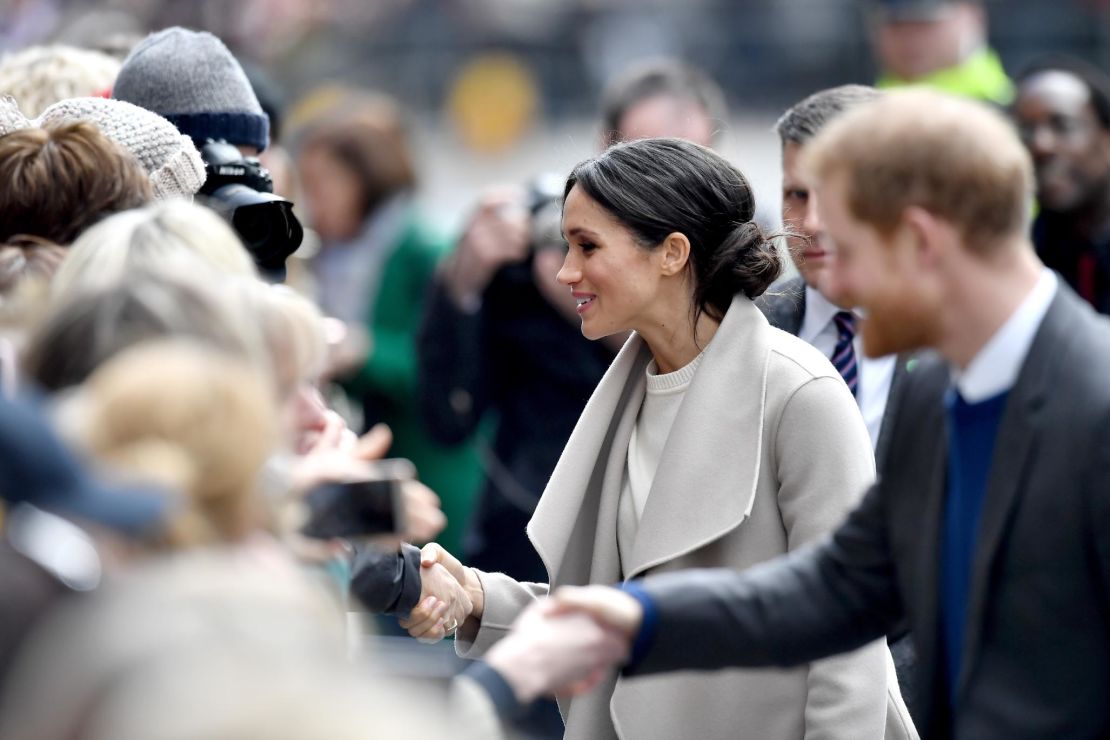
{"x":565,"y":644}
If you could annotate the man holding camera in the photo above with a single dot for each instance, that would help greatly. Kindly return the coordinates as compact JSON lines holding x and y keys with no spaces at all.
{"x":191,"y":79}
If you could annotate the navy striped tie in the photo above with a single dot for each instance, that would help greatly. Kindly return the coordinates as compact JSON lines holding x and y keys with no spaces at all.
{"x":844,"y":356}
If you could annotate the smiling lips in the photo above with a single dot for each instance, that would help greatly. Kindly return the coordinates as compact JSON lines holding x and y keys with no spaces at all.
{"x":584,"y":300}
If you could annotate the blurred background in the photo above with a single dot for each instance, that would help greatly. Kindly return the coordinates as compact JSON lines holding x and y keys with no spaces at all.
{"x":502,"y":89}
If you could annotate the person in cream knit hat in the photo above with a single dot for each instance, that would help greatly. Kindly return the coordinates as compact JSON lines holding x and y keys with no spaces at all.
{"x":169,"y":157}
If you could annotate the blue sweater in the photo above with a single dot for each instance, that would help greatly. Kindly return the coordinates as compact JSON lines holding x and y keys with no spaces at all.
{"x":972,"y":432}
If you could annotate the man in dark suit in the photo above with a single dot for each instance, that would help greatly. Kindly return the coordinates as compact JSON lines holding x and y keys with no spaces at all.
{"x":989,"y":527}
{"x":797,"y":305}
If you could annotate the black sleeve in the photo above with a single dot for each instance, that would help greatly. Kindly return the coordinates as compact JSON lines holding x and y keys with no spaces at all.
{"x":452,"y":371}
{"x":387,"y":582}
{"x":828,"y":598}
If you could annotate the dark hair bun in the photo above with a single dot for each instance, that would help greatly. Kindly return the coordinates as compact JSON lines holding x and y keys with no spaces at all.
{"x":746,"y":262}
{"x":658,"y":187}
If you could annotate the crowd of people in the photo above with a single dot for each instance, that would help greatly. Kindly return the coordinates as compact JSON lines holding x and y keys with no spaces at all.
{"x":619,"y":441}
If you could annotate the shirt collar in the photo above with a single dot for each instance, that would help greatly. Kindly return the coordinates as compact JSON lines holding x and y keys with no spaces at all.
{"x":819,"y":312}
{"x":995,"y":368}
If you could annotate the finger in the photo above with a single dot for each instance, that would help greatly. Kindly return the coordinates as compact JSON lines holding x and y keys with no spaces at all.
{"x":420,"y":613}
{"x":437,"y":617}
{"x":433,"y":626}
{"x":425,"y":526}
{"x":587,"y":599}
{"x":419,"y":495}
{"x":331,"y":434}
{"x":461,"y":607}
{"x":604,"y":604}
{"x":430,"y":554}
{"x":375,"y":443}
{"x":434,"y":635}
{"x":424,"y":518}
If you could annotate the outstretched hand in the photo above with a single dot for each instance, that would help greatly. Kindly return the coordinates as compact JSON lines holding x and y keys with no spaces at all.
{"x":450,"y":593}
{"x":608,"y":606}
{"x":554,"y":650}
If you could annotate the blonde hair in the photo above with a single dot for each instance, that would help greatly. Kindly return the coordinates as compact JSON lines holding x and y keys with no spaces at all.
{"x":189,"y":417}
{"x":181,"y":297}
{"x":42,"y":75}
{"x":957,"y":159}
{"x":292,"y":330}
{"x":145,"y":238}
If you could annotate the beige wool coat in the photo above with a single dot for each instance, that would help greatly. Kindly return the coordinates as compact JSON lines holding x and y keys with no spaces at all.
{"x":768,"y":452}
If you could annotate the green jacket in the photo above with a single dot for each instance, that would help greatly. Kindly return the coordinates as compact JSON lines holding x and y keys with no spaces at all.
{"x":388,"y":380}
{"x":980,"y":76}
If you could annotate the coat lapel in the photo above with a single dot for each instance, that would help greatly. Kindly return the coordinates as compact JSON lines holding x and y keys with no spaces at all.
{"x":1014,"y":449}
{"x":706,"y":481}
{"x":576,"y":514}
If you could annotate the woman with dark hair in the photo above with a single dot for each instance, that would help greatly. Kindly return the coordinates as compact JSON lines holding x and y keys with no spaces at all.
{"x":376,"y":261}
{"x":713,"y":441}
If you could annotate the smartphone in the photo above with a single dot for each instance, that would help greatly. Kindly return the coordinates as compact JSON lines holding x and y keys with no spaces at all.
{"x":359,"y":508}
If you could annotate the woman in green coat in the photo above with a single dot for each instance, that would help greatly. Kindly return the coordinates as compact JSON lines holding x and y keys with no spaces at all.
{"x":376,"y":260}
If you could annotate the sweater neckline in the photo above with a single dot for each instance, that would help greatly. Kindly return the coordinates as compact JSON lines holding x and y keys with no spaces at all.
{"x":674,"y":381}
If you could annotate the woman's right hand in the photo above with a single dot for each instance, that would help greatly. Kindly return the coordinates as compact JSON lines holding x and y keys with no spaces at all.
{"x":450,"y":593}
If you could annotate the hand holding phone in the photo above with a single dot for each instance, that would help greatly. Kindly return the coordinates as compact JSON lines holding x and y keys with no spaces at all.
{"x":360,"y":508}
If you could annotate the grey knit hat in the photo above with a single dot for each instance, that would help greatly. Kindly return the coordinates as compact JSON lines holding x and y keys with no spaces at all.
{"x":191,"y":79}
{"x":168,"y":156}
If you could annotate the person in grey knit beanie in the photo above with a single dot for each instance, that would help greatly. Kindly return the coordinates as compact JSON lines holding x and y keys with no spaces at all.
{"x":191,"y":79}
{"x":171,"y":161}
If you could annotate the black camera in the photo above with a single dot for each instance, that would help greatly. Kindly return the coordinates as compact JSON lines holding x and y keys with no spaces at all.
{"x":545,"y":206}
{"x":241,"y":190}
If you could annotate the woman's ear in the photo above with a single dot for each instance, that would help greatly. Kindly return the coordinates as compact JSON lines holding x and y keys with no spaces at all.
{"x":674,"y":254}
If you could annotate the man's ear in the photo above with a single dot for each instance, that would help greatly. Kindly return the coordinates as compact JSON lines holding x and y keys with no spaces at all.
{"x":927,"y":237}
{"x":674,"y":254}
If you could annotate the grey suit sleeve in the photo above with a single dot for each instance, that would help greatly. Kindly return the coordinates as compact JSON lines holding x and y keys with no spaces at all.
{"x":818,"y":601}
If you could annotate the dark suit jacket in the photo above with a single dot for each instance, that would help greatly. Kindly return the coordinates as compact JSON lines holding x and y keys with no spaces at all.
{"x":1037,"y":654}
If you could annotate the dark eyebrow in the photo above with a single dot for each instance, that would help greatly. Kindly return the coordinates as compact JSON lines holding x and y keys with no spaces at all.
{"x":579,"y":231}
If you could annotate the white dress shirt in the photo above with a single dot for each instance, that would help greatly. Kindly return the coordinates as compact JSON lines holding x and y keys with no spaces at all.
{"x":995,"y":368}
{"x":875,"y":375}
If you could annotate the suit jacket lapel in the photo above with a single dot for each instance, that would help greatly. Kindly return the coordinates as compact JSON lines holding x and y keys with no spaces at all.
{"x":925,"y":624}
{"x":709,"y":468}
{"x":902,"y":365}
{"x":1013,"y":451}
